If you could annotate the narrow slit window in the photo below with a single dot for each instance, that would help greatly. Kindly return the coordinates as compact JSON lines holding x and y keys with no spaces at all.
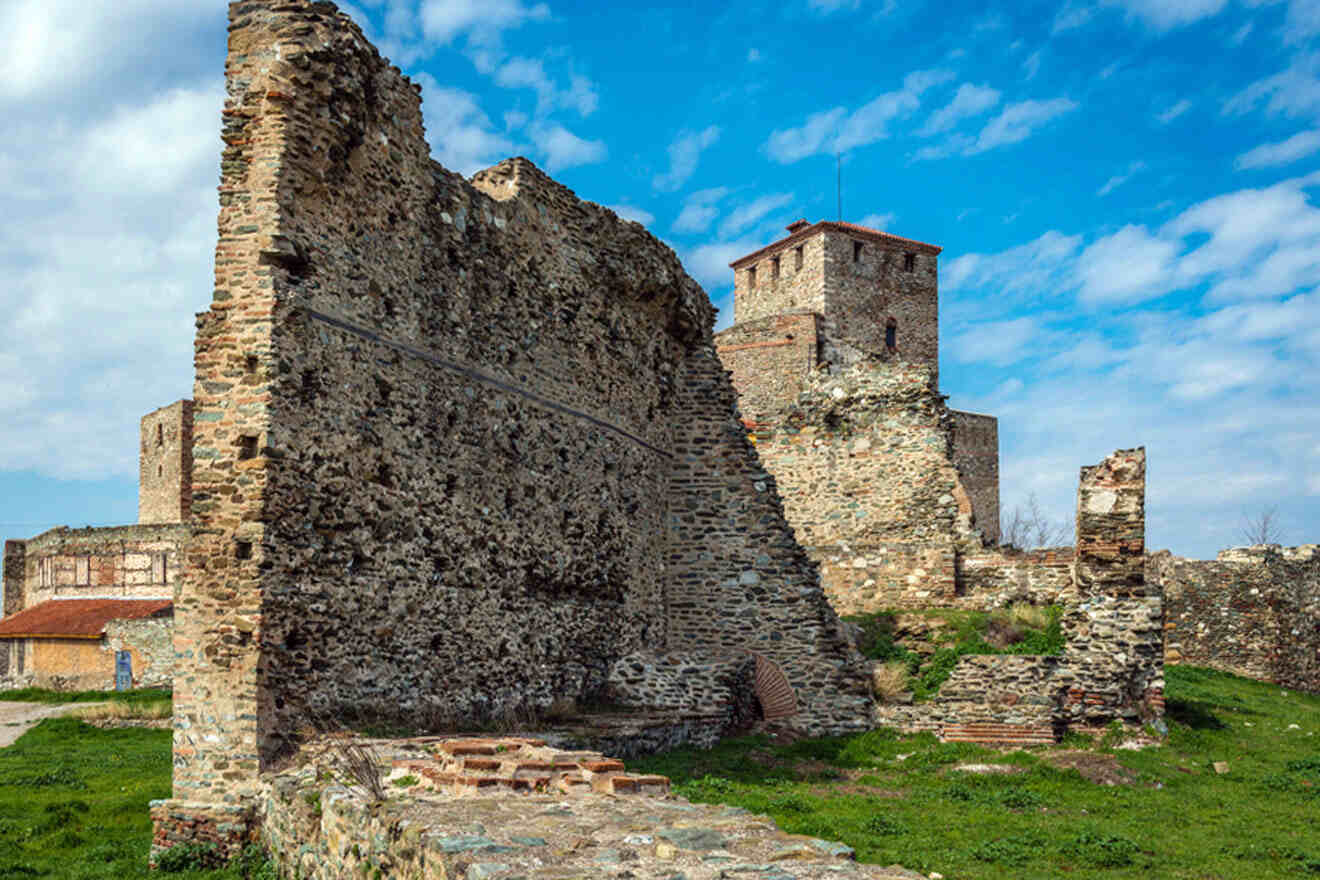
{"x":909,"y":262}
{"x":797,"y":259}
{"x":160,"y":435}
{"x":774,"y":268}
{"x":891,"y":335}
{"x":751,"y":278}
{"x":857,"y":251}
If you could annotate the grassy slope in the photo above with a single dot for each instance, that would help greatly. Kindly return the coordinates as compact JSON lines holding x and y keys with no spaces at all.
{"x":42,"y":695}
{"x":73,"y":799}
{"x":1179,"y":819}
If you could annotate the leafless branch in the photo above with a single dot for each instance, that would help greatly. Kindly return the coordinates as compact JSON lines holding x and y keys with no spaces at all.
{"x":1026,"y":527}
{"x":1263,"y":528}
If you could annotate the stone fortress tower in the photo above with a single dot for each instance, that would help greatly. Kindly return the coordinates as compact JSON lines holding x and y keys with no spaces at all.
{"x":834,"y":352}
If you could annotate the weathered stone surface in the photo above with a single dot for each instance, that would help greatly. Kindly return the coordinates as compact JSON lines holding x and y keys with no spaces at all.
{"x":1254,"y":611}
{"x":165,"y":464}
{"x":459,"y":446}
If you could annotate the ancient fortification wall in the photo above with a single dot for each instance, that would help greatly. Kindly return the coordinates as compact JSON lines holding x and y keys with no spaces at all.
{"x":459,"y":446}
{"x":165,"y":464}
{"x":117,"y":561}
{"x":1112,"y":664}
{"x":1254,"y":611}
{"x":976,"y":456}
{"x":771,"y":360}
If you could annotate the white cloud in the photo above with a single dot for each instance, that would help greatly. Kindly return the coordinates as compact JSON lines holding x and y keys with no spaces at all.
{"x":748,"y":214}
{"x":997,"y":342}
{"x":877,"y":221}
{"x":1162,"y":15}
{"x":563,"y":149}
{"x":1071,"y":16}
{"x":1018,"y":121}
{"x":709,"y":263}
{"x":1118,"y":180}
{"x":1032,"y":65}
{"x":1241,"y":34}
{"x":634,"y":213}
{"x":1038,"y":267}
{"x":699,"y":210}
{"x":1128,"y":266}
{"x":970,"y":100}
{"x":838,"y":130}
{"x":684,"y":154}
{"x":1171,"y":113}
{"x":530,"y":73}
{"x":1302,"y":23}
{"x":461,"y":136}
{"x":1293,"y":91}
{"x":1299,"y":146}
{"x":481,"y":21}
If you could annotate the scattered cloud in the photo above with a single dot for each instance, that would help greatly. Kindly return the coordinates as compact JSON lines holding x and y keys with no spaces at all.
{"x":828,"y":6}
{"x":699,"y":210}
{"x":1293,"y":91}
{"x":1037,"y":268}
{"x":1018,"y":121}
{"x":1128,"y":266}
{"x":563,"y":149}
{"x":1171,"y":113}
{"x":839,"y":130}
{"x":970,"y":100}
{"x":462,"y":137}
{"x":878,"y":221}
{"x":1032,"y":65}
{"x":709,"y":263}
{"x":634,"y":213}
{"x":529,"y":73}
{"x":1118,"y":180}
{"x":684,"y":153}
{"x":1302,"y":22}
{"x":1240,"y":35}
{"x":481,"y":21}
{"x":1299,"y":146}
{"x":746,"y":215}
{"x":1163,"y":15}
{"x":997,"y":342}
{"x":1071,"y":16}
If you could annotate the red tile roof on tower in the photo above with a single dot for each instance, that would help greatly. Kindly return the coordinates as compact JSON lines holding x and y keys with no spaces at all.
{"x":801,"y":229}
{"x":78,"y":618}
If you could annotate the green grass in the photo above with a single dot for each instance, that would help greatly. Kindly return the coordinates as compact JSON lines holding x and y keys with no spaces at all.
{"x":73,"y":804}
{"x":1178,"y":819}
{"x":73,"y":799}
{"x":958,"y":633}
{"x":42,"y":695}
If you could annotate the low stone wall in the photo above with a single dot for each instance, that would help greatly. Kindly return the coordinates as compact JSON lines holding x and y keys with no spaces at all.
{"x":177,"y":822}
{"x":685,"y":682}
{"x":1253,"y":611}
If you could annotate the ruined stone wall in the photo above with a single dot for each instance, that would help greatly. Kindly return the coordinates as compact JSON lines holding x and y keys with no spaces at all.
{"x":150,"y":644}
{"x":867,"y":286}
{"x":447,"y":434}
{"x":127,"y":561}
{"x":997,"y":579}
{"x":863,"y":463}
{"x":1112,"y":664}
{"x":165,"y":464}
{"x":738,"y":579}
{"x":976,"y":455}
{"x":799,"y":284}
{"x":771,"y":360}
{"x":13,"y":598}
{"x":1253,"y":611}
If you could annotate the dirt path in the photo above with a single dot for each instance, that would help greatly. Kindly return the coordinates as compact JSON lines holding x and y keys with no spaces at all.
{"x":17,"y":718}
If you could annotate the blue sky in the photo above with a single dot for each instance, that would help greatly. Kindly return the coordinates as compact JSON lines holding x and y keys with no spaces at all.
{"x":1125,"y":191}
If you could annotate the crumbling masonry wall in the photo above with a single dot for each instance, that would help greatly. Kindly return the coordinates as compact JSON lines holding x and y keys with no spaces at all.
{"x":116,"y":561}
{"x":1253,"y":611}
{"x":452,"y":440}
{"x":1112,"y":664}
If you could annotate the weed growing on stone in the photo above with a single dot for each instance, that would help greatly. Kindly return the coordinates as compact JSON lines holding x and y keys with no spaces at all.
{"x":1161,"y":811}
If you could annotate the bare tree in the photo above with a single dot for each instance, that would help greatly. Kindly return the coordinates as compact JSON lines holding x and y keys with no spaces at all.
{"x":1263,"y":528}
{"x":1026,"y":527}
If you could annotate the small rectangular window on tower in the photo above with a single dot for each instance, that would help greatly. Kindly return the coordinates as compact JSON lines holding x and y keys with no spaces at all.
{"x":857,"y":251}
{"x":751,"y":278}
{"x":247,"y":447}
{"x":797,"y":259}
{"x":909,"y":262}
{"x":774,"y":268}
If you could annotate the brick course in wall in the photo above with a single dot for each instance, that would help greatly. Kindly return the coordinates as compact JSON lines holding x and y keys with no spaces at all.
{"x":459,"y":446}
{"x":1253,"y":611}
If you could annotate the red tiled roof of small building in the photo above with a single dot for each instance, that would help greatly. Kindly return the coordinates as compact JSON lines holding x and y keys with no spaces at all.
{"x":800,"y":229}
{"x":78,"y":618}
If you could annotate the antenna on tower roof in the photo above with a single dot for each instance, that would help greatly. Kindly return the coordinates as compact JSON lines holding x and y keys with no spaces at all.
{"x":838,"y":181}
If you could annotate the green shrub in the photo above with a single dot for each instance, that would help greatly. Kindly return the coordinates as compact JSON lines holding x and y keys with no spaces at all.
{"x":190,"y":857}
{"x":884,"y":825}
{"x":1013,"y":850}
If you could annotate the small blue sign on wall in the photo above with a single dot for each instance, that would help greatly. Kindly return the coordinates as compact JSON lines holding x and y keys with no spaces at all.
{"x":123,"y":671}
